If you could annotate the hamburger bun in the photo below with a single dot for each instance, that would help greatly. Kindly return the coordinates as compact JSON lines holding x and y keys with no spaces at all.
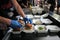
{"x":28,"y":25}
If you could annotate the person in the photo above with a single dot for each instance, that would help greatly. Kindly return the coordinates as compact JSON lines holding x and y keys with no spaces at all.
{"x":52,"y":7}
{"x":24,"y":3}
{"x":19,"y":10}
{"x":5,"y":6}
{"x":58,"y":6}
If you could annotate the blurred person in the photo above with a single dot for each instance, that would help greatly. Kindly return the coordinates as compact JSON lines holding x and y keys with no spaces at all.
{"x":5,"y":6}
{"x":52,"y":7}
{"x":24,"y":3}
{"x":31,"y":1}
{"x":36,"y":2}
{"x":58,"y":6}
{"x":41,"y":4}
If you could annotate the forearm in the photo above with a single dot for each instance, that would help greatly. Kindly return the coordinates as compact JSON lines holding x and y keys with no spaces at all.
{"x":5,"y":20}
{"x":18,"y":8}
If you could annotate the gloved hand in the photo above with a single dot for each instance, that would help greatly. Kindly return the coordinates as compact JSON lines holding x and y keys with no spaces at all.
{"x":15,"y":24}
{"x":27,"y":20}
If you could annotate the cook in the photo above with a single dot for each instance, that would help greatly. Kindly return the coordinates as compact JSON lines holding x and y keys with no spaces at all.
{"x":5,"y":7}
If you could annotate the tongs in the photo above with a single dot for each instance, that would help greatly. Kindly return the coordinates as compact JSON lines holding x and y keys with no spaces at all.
{"x":7,"y":35}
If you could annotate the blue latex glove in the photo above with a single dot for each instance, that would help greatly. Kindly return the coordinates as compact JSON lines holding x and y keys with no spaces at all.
{"x":27,"y":20}
{"x":15,"y":24}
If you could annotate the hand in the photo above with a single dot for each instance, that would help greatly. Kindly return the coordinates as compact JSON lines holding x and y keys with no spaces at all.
{"x":15,"y":24}
{"x":27,"y":20}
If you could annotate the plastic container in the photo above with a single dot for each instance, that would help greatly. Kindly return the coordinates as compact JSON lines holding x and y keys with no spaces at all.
{"x":43,"y":28}
{"x":17,"y":31}
{"x":41,"y":33}
{"x":37,"y":21}
{"x":34,"y":11}
{"x":37,"y":16}
{"x":30,"y":16}
{"x":46,"y":21}
{"x":39,"y":10}
{"x":53,"y":28}
{"x":30,"y":30}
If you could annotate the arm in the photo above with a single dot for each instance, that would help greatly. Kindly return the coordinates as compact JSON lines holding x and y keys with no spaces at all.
{"x":14,"y":23}
{"x":18,"y":8}
{"x":20,"y":11}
